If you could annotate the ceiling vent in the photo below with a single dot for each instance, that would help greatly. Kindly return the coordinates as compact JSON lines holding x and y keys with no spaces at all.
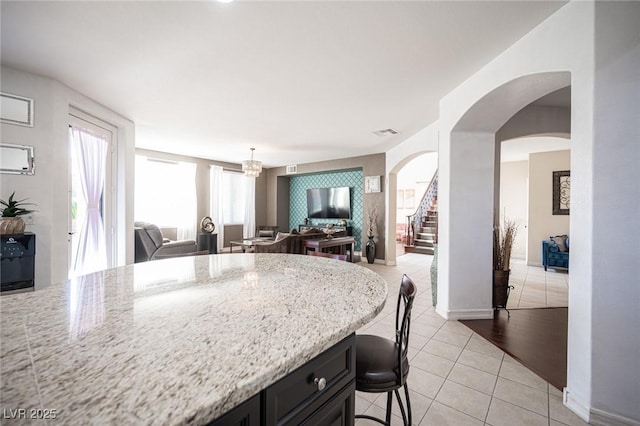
{"x":385,"y":132}
{"x":292,"y":170}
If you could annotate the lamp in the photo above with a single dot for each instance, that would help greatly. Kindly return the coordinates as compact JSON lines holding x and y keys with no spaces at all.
{"x":251,"y":167}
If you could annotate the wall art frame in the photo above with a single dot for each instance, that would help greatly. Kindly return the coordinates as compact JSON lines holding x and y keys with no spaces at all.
{"x":561,"y":192}
{"x":16,"y":110}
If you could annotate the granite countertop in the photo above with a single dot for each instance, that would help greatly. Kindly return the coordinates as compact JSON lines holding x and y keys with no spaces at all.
{"x":175,"y":341}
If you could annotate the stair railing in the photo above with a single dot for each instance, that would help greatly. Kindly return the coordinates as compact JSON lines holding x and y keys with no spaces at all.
{"x":414,"y":220}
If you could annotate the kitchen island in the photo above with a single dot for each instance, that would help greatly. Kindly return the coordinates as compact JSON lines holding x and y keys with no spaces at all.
{"x":175,"y":341}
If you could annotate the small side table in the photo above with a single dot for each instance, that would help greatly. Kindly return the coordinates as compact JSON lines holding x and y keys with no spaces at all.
{"x":208,"y":242}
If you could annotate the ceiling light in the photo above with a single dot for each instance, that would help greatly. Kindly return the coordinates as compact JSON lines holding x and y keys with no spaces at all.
{"x":251,"y":167}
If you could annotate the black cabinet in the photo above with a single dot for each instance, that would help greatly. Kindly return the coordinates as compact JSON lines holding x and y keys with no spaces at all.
{"x":208,"y":242}
{"x":246,"y":414}
{"x":17,"y":262}
{"x":321,"y":392}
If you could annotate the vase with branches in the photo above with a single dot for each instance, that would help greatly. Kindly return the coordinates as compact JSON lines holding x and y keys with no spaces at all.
{"x":372,"y":227}
{"x":503,"y":240}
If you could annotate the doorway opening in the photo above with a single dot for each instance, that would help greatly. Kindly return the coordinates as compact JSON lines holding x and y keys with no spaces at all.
{"x":91,"y":214}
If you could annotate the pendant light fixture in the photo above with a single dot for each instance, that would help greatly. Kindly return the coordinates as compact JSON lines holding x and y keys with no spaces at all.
{"x":252,"y":167}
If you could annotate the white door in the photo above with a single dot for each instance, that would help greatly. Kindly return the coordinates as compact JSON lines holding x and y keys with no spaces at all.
{"x":92,"y":187}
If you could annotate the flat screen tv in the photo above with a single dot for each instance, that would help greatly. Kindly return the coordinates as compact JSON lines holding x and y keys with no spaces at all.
{"x":329,"y":203}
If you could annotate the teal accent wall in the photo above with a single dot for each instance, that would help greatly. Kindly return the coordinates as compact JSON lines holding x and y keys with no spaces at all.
{"x":298,"y":198}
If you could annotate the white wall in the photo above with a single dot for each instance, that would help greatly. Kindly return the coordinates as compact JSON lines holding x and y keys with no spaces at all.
{"x":513,"y":201}
{"x":542,"y":222}
{"x":615,"y":312}
{"x":601,"y":51}
{"x":49,"y":186}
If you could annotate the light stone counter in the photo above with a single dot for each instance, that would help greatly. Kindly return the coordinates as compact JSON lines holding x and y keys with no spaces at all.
{"x":175,"y":341}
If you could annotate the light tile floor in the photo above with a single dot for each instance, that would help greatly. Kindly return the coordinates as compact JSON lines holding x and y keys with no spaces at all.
{"x":537,"y":288}
{"x":457,"y":377}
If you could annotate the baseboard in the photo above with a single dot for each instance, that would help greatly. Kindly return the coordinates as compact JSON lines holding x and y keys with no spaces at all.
{"x":574,"y":404}
{"x":604,"y":418}
{"x":465,"y":314}
{"x":595,"y":416}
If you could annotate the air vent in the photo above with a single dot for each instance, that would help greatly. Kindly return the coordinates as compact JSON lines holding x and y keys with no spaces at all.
{"x":386,"y":132}
{"x":292,"y":170}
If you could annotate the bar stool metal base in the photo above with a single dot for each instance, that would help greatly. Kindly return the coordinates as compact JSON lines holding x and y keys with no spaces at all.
{"x":406,"y":415}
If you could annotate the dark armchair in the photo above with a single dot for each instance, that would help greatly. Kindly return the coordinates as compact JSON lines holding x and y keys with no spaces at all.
{"x":151,"y":245}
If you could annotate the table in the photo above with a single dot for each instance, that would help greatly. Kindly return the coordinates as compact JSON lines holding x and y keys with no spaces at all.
{"x":342,"y":243}
{"x":247,"y":243}
{"x":176,"y":341}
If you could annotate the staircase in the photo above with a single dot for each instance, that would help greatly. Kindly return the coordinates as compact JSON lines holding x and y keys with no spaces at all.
{"x":422,"y":226}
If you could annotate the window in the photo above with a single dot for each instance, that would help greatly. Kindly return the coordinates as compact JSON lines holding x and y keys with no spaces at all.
{"x":234,"y":198}
{"x":166,"y":195}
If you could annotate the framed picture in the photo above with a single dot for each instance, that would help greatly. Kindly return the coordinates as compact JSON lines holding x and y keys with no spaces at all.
{"x":16,"y":109}
{"x":561,"y":192}
{"x":371,"y":184}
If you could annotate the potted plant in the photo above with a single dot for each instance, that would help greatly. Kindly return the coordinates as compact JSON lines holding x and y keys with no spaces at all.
{"x":11,"y":222}
{"x":372,"y":219}
{"x":503,"y":239}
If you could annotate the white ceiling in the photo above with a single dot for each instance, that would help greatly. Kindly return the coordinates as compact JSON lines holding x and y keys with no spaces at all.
{"x":519,"y":149}
{"x":299,"y":81}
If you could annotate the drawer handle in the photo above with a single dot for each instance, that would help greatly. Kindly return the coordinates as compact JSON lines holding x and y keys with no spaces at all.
{"x":321,"y":383}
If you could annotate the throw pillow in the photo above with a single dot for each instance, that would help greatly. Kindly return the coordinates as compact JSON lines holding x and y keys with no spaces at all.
{"x":265,"y":233}
{"x":281,"y":236}
{"x":561,"y":241}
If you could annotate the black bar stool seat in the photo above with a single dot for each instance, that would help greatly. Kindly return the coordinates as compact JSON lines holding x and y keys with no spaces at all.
{"x":382,"y":365}
{"x":377,"y":363}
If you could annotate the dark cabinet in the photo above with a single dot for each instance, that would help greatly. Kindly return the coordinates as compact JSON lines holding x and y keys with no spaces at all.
{"x":208,"y":242}
{"x":246,"y":414}
{"x":17,"y":262}
{"x":321,"y":392}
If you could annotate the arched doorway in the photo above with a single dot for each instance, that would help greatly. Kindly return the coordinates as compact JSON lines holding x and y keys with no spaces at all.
{"x":469,"y":193}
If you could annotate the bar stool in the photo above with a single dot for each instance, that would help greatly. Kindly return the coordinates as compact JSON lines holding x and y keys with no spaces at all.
{"x":382,"y":364}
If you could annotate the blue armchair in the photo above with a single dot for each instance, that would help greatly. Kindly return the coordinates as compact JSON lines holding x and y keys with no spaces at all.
{"x":555,"y":252}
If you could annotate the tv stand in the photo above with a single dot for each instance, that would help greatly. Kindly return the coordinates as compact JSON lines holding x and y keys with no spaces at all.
{"x":323,"y":227}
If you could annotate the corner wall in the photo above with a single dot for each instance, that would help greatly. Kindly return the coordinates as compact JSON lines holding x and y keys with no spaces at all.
{"x":542,"y":222}
{"x":514,"y":176}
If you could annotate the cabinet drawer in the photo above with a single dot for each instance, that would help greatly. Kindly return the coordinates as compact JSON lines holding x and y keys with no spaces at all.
{"x":297,"y":395}
{"x":339,"y":411}
{"x":246,"y":414}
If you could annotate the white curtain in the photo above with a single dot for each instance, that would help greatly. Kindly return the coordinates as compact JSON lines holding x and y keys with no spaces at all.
{"x":165,"y":195}
{"x":217,"y":202}
{"x":90,"y":155}
{"x":249,"y":228}
{"x":188,"y":218}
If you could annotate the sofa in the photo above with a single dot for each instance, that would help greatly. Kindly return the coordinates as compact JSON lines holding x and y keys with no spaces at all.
{"x":292,"y":242}
{"x":555,"y":252}
{"x":150,"y":244}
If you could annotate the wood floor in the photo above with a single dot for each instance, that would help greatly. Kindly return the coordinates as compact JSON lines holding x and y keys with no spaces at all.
{"x":535,"y":337}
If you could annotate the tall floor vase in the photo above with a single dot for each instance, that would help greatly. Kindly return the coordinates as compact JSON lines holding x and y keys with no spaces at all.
{"x":371,"y":250}
{"x":501,"y":288}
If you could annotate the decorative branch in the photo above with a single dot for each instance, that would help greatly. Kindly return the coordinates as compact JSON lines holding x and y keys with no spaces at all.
{"x":503,"y":240}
